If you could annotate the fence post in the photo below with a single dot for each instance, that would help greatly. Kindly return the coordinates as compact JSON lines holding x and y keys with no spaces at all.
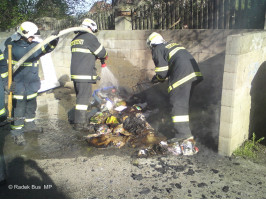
{"x":141,"y":18}
{"x":123,"y":18}
{"x":232,"y":14}
{"x":167,"y":15}
{"x":176,"y":15}
{"x":164,"y":14}
{"x":227,"y":15}
{"x":133,"y":19}
{"x":152,"y":18}
{"x":265,"y":21}
{"x":221,"y":15}
{"x":182,"y":13}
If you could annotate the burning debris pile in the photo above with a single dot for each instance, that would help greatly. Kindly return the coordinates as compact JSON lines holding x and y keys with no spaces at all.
{"x":112,"y":122}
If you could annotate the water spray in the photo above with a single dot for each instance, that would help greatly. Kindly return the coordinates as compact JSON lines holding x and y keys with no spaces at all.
{"x":107,"y":77}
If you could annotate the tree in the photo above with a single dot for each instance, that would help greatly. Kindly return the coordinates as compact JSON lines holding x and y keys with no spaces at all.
{"x":51,"y":8}
{"x":121,"y":2}
{"x":14,"y":12}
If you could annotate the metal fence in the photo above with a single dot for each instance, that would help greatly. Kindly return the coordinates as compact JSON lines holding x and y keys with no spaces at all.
{"x":105,"y":20}
{"x":182,"y":14}
{"x":200,"y":14}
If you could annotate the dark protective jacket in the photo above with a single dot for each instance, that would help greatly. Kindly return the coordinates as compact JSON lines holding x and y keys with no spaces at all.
{"x":27,"y":76}
{"x":175,"y":62}
{"x":3,"y":68}
{"x":3,"y":77}
{"x":85,"y":49}
{"x":2,"y":99}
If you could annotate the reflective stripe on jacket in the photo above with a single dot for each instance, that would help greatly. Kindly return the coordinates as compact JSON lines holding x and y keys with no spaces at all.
{"x":85,"y":49}
{"x":175,"y":62}
{"x":27,"y":76}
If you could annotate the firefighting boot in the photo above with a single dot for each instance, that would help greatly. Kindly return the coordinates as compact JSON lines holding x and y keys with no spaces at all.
{"x":31,"y":127}
{"x":80,"y":120}
{"x":19,"y":140}
{"x":84,"y":127}
{"x":78,"y":127}
{"x":18,"y":136}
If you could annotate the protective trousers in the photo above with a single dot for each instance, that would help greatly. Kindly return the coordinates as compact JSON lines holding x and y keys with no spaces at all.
{"x":24,"y":112}
{"x":83,"y":93}
{"x":2,"y":114}
{"x":179,"y":100}
{"x":2,"y":167}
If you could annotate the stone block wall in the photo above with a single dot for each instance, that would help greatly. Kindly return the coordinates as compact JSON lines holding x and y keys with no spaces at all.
{"x":245,"y":54}
{"x":130,"y":58}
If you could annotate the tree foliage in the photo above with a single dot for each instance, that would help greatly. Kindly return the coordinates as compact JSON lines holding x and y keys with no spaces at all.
{"x":51,"y":8}
{"x":10,"y":14}
{"x":14,"y":12}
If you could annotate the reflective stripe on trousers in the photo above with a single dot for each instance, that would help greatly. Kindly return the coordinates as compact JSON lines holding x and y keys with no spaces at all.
{"x":29,"y":120}
{"x":83,"y":77}
{"x":20,"y":97}
{"x":16,"y":127}
{"x":81,"y":107}
{"x":180,"y":118}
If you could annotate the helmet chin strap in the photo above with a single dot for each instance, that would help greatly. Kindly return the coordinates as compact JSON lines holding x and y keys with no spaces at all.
{"x":90,"y":30}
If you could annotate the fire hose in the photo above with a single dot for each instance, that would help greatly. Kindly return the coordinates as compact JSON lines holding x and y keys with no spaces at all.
{"x":46,"y":41}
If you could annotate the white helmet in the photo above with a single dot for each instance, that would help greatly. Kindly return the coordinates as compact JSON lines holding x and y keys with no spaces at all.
{"x":90,"y":23}
{"x":154,"y":39}
{"x":27,"y":29}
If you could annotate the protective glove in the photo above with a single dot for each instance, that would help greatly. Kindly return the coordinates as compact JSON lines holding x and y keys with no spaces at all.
{"x":103,"y":62}
{"x":54,"y":42}
{"x":154,"y":79}
{"x":55,"y":33}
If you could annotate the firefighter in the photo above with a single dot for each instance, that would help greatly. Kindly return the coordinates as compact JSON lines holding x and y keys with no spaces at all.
{"x":2,"y":118}
{"x":2,"y":100}
{"x":85,"y":50}
{"x":174,"y":62}
{"x":3,"y":83}
{"x":26,"y":79}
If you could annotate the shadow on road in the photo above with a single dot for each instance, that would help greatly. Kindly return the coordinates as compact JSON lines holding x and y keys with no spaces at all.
{"x":33,"y":184}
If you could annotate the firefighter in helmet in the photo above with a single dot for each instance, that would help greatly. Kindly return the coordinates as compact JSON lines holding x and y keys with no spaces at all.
{"x":26,"y":79}
{"x":85,"y":49}
{"x":2,"y":93}
{"x":174,"y":62}
{"x":2,"y":118}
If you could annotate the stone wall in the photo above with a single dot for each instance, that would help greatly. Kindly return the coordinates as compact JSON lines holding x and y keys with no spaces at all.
{"x":245,"y":56}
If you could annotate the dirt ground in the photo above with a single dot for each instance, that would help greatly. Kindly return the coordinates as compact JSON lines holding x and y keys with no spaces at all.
{"x":59,"y":164}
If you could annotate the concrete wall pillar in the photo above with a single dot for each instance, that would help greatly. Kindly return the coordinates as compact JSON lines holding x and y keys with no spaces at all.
{"x":245,"y":53}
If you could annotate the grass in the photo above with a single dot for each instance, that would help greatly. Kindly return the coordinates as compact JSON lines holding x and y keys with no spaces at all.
{"x":249,"y":149}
